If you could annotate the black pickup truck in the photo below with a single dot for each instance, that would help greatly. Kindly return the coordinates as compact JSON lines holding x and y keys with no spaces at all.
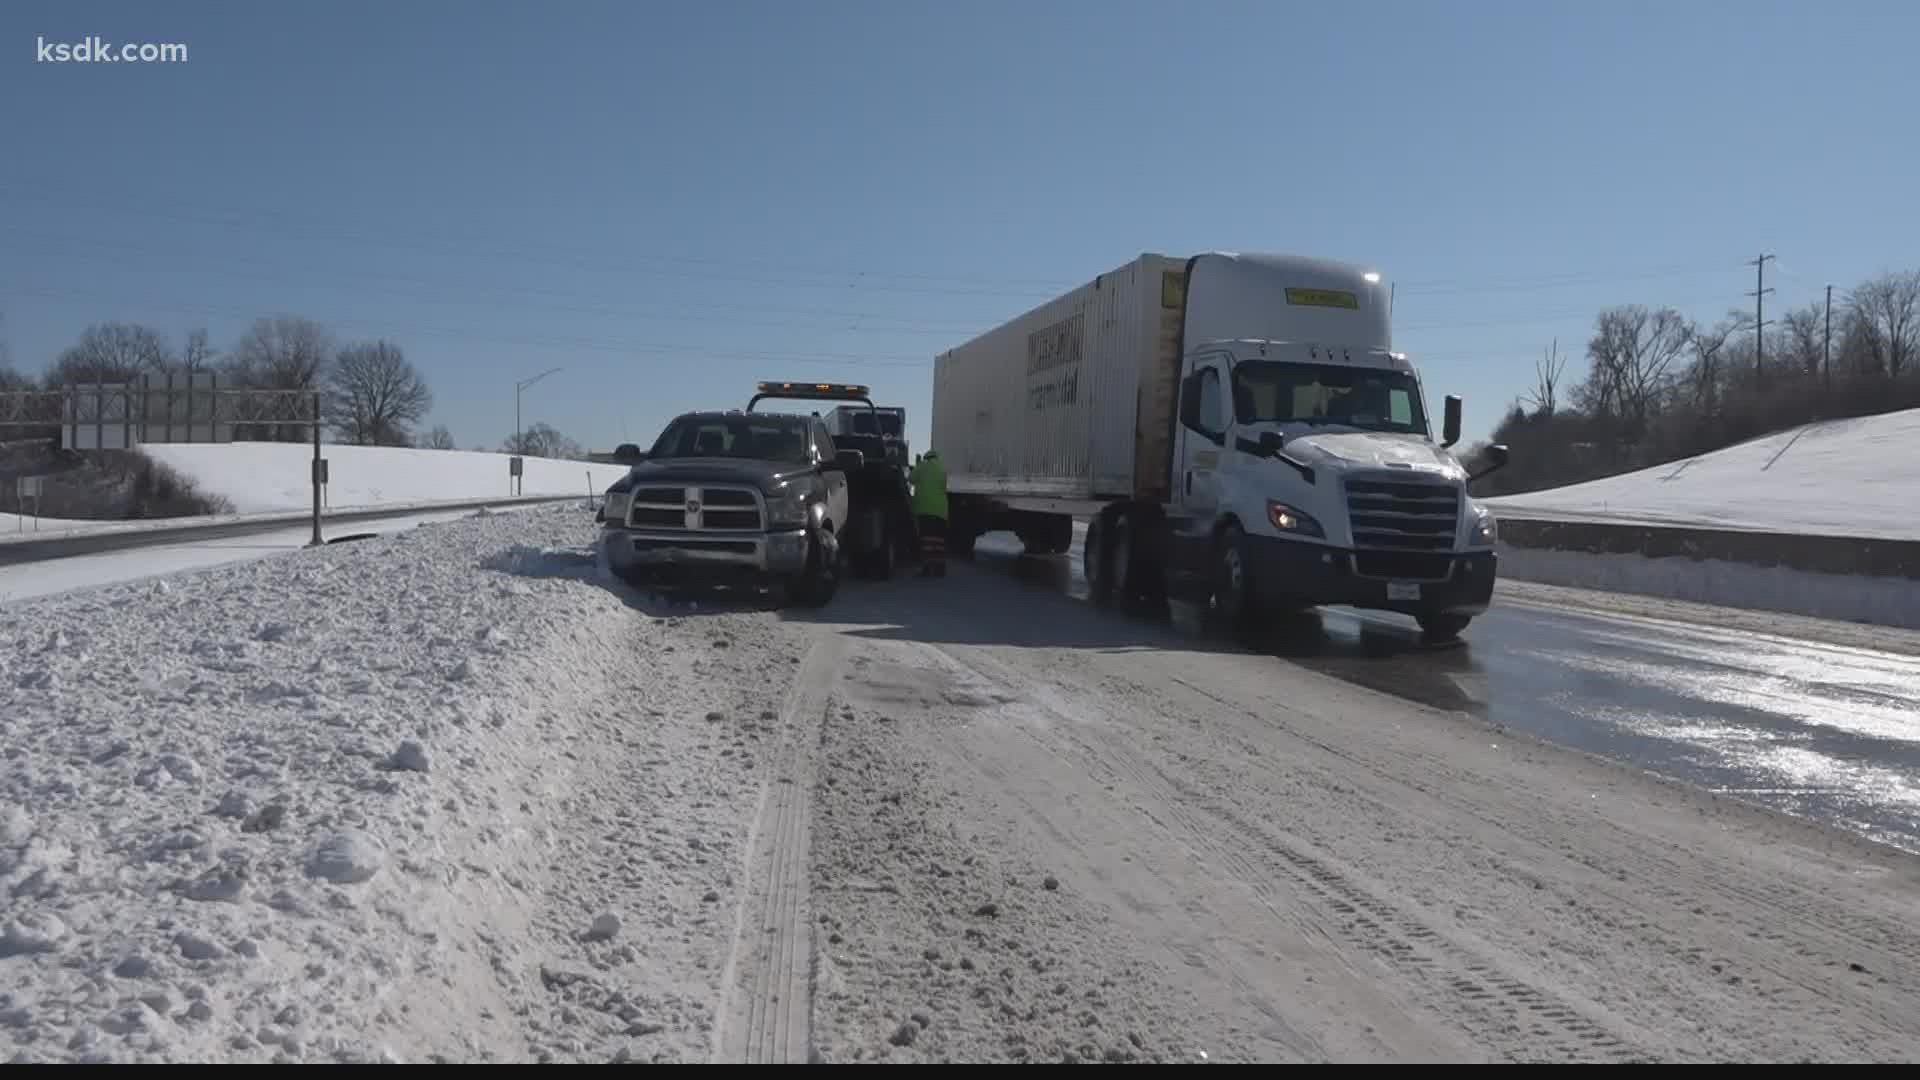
{"x":749,"y":500}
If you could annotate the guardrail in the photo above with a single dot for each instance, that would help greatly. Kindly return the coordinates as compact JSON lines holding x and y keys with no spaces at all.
{"x":119,"y":536}
{"x":1855,"y":555}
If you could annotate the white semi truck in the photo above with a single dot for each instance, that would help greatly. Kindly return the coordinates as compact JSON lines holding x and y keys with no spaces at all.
{"x":1237,"y":431}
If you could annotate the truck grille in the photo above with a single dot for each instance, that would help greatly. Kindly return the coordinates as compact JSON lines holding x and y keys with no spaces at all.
{"x":702,"y":509}
{"x":1402,"y":513}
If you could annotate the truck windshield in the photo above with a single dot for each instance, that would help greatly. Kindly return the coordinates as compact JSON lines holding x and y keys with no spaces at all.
{"x":1267,"y":391}
{"x":862,"y":423}
{"x":749,"y":438}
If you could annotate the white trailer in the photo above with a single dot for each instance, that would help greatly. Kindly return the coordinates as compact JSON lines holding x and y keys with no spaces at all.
{"x":1238,"y":431}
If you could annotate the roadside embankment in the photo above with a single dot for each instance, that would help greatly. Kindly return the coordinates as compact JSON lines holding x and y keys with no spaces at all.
{"x":1859,"y":579}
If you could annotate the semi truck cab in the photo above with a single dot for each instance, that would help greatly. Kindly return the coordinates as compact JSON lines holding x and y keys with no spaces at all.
{"x":1309,"y":474}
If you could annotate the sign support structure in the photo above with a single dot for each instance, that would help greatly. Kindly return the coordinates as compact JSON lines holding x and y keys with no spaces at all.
{"x":83,"y":417}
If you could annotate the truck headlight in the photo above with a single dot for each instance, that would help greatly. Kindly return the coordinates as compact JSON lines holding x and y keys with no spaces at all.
{"x":1288,"y":520}
{"x":787,"y":508}
{"x":616,"y":506}
{"x":1485,"y":532}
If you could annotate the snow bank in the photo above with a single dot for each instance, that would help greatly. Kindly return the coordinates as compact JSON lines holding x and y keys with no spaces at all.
{"x":442,"y":795}
{"x":1841,"y":477}
{"x":1885,"y":601}
{"x":260,"y":477}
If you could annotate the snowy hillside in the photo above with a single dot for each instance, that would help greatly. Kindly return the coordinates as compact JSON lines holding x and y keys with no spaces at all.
{"x":261,"y":477}
{"x":1857,"y":477}
{"x":436,"y":794}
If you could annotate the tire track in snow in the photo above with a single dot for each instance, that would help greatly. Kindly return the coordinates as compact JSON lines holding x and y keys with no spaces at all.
{"x":767,"y":1015}
{"x":1511,"y":1017}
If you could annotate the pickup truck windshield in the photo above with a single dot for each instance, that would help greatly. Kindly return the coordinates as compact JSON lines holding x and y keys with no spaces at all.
{"x":1333,"y":394}
{"x":759,"y":438}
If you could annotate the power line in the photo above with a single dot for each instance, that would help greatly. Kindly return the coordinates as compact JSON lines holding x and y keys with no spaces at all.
{"x":533,"y":341}
{"x":828,"y":277}
{"x":732,"y":312}
{"x":558,"y":255}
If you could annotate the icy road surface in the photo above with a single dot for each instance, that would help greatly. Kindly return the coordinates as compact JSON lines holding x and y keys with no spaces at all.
{"x":1050,"y":832}
{"x":1808,"y":716}
{"x":454,"y":795}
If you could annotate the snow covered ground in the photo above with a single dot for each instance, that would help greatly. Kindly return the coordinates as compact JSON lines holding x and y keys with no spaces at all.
{"x":440,"y":794}
{"x":272,"y":478}
{"x":260,"y":477}
{"x":453,"y":795}
{"x":1841,"y":478}
{"x":28,"y":580}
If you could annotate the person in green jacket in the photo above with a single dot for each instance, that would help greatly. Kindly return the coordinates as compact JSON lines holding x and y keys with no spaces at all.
{"x":930,"y":512}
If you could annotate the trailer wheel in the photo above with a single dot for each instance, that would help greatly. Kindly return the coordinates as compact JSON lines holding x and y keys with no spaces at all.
{"x":1096,"y":562}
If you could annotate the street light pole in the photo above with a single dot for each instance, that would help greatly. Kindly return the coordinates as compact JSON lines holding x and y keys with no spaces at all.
{"x":517,"y":388}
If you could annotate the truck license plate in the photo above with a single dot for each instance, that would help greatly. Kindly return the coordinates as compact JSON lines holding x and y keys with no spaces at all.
{"x":1402,"y":590}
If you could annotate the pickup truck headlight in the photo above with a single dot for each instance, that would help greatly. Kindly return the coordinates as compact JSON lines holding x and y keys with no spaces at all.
{"x":1485,"y":532}
{"x":1288,"y":520}
{"x":615,"y":508}
{"x":787,"y":508}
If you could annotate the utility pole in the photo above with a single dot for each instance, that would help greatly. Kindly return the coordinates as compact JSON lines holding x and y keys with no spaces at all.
{"x":1759,"y":294}
{"x":1826,"y":346}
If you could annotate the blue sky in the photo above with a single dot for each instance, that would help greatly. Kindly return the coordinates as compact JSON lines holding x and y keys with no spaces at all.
{"x":670,"y":201}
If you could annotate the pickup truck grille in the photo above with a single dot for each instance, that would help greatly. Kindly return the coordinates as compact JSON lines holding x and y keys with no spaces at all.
{"x":1403,"y":513}
{"x":697,"y":509}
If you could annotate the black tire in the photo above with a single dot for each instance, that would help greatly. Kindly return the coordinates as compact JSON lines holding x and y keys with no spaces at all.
{"x":1096,"y":562}
{"x":1443,"y":627}
{"x":1235,"y":599}
{"x":817,"y":585}
{"x":884,"y":559}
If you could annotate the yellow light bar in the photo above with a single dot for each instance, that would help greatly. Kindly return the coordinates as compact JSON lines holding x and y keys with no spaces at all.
{"x":805,"y":390}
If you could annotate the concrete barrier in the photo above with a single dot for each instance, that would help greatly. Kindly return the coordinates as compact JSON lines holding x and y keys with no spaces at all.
{"x":1835,"y":577}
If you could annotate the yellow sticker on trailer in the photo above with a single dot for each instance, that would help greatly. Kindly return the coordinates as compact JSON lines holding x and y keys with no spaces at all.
{"x":1323,"y":298}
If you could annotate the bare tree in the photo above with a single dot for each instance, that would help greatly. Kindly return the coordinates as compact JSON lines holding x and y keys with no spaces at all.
{"x":1547,"y":370}
{"x":197,"y":355}
{"x":1890,"y":304}
{"x":111,"y":352}
{"x":1631,"y":350}
{"x":439,"y":438}
{"x":1706,"y":343}
{"x":374,"y":395}
{"x":281,"y":352}
{"x":541,"y":440}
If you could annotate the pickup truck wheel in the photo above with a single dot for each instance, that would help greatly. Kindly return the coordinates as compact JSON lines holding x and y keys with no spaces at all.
{"x":1443,"y":627}
{"x":816,"y":585}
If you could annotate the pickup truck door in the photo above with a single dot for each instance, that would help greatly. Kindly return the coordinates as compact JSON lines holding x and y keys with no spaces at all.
{"x":836,"y":481}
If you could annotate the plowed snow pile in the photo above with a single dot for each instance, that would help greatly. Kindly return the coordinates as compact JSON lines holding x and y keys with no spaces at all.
{"x":441,"y":795}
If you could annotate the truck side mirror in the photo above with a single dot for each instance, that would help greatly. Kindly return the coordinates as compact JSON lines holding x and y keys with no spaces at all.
{"x":1496,"y":460}
{"x":1450,"y":428}
{"x":626,"y":453}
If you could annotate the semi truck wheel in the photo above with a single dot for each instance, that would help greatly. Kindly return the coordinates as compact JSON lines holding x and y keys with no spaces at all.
{"x":1234,"y":597}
